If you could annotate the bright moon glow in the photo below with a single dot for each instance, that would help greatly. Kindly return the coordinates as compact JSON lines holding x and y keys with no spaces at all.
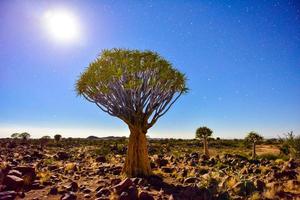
{"x":61,"y":25}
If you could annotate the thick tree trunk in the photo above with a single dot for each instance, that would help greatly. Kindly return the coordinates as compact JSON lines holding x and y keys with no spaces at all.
{"x":205,"y":147}
{"x":137,"y":162}
{"x":254,"y":151}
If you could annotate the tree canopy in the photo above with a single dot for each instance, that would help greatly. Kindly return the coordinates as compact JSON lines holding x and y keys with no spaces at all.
{"x":253,"y":137}
{"x":57,"y":137}
{"x":46,"y":137}
{"x":203,"y":132}
{"x":24,"y":135}
{"x":136,"y":86}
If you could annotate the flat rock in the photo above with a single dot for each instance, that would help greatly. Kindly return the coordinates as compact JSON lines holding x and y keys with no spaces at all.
{"x":13,"y":182}
{"x":125,"y":184}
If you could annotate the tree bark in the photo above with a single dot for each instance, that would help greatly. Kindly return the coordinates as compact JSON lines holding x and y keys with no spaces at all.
{"x":205,"y":147}
{"x":137,"y":162}
{"x":254,"y":151}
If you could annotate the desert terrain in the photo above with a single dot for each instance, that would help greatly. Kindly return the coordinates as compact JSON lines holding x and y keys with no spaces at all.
{"x":91,"y":169}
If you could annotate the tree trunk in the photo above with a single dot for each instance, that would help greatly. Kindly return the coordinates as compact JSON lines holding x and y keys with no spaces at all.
{"x":137,"y":162}
{"x":254,"y":151}
{"x":205,"y":147}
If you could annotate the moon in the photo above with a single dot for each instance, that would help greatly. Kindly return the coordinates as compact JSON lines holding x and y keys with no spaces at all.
{"x":62,"y":25}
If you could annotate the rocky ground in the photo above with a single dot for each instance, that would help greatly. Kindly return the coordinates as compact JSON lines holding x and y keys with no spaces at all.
{"x":31,"y":172}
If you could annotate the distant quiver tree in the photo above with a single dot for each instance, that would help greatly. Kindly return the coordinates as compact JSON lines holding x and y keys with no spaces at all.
{"x":15,"y":135}
{"x":57,"y":138}
{"x":254,"y":138}
{"x":138,"y":87}
{"x":204,"y":133}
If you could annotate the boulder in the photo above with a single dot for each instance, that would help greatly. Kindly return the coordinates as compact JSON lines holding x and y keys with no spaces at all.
{"x":155,"y":181}
{"x":194,"y":155}
{"x":145,"y":196}
{"x":202,"y":171}
{"x":292,"y":164}
{"x":73,"y":187}
{"x":117,"y":170}
{"x":52,"y":167}
{"x":15,"y":173}
{"x":62,"y":155}
{"x":138,"y":181}
{"x":8,"y":195}
{"x":115,"y":181}
{"x":133,"y":192}
{"x":53,"y":191}
{"x":167,"y":169}
{"x":37,"y":185}
{"x":69,"y":196}
{"x":37,"y":155}
{"x":204,"y":157}
{"x":101,"y":159}
{"x":191,"y":180}
{"x":124,"y":196}
{"x":86,"y":190}
{"x":28,"y":172}
{"x":160,"y":162}
{"x":2,"y":175}
{"x":124,"y":185}
{"x":13,"y":182}
{"x":28,"y":158}
{"x":260,"y":185}
{"x":223,"y":196}
{"x":196,"y":193}
{"x":244,"y":188}
{"x":286,"y":174}
{"x":103,"y":192}
{"x":183,"y":173}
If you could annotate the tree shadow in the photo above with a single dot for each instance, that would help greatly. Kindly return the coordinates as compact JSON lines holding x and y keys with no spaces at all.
{"x":179,"y":192}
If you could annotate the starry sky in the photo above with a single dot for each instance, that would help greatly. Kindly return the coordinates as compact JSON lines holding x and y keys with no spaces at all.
{"x":242,"y":60}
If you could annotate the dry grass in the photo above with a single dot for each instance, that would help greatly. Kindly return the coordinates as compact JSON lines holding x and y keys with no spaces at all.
{"x":44,"y":176}
{"x":267,"y":149}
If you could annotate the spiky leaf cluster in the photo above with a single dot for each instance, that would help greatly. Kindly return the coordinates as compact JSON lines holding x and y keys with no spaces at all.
{"x":203,"y":132}
{"x":253,"y":137}
{"x":136,"y":86}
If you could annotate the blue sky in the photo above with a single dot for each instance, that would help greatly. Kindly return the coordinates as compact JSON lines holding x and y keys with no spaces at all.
{"x":242,"y":59}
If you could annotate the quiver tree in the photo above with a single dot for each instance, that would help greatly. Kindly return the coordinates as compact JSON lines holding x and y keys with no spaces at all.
{"x":138,"y":87}
{"x":57,"y":138}
{"x":204,"y":133}
{"x":24,"y":136}
{"x":44,"y":140}
{"x":254,"y":138}
{"x":15,"y":135}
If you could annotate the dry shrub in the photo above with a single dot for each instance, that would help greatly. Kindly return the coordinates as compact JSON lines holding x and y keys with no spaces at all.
{"x":255,"y":196}
{"x":279,"y":161}
{"x":271,"y":190}
{"x":3,"y":165}
{"x":231,"y":182}
{"x":292,"y":185}
{"x":159,"y":173}
{"x":44,"y":176}
{"x":70,"y":167}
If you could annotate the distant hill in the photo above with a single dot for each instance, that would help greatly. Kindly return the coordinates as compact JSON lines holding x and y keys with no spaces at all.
{"x":92,"y":138}
{"x":104,"y":138}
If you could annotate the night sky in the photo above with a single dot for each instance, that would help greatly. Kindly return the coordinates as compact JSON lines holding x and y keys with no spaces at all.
{"x":242,"y":60}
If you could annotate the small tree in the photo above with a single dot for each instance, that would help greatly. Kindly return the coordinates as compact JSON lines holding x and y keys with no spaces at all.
{"x":138,"y":87}
{"x":204,"y":133}
{"x":44,"y":140}
{"x":57,"y":138}
{"x":291,"y":145}
{"x":24,"y":136}
{"x":46,"y":137}
{"x":254,"y":138}
{"x":15,"y":135}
